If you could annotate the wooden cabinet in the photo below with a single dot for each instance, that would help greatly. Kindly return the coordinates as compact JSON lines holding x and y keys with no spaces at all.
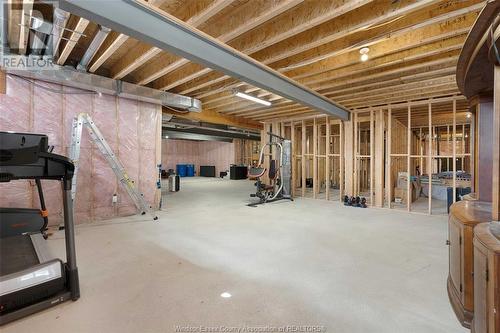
{"x":486,"y":278}
{"x":464,"y":216}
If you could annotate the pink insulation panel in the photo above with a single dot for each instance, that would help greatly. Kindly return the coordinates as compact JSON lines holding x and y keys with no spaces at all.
{"x":147,"y":125}
{"x":104,"y":185}
{"x":47,"y":113}
{"x":128,"y":136}
{"x":76,"y":101}
{"x":15,"y":106}
{"x":219,"y":154}
{"x":84,"y":189}
{"x":105,"y":117}
{"x":15,"y":115}
{"x":128,"y":126}
{"x":147,"y":184}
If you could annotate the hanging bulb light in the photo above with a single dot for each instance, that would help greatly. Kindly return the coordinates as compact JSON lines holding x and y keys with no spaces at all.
{"x":364,"y":53}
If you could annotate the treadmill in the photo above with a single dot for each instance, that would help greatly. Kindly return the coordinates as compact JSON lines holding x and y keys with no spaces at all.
{"x":30,"y":278}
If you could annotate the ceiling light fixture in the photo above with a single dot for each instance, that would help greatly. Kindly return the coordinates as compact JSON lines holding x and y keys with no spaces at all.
{"x":364,"y":53}
{"x":252,"y":98}
{"x":468,"y":114}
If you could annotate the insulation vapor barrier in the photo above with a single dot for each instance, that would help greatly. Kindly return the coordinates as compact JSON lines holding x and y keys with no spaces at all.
{"x":218,"y":154}
{"x":132,"y":128}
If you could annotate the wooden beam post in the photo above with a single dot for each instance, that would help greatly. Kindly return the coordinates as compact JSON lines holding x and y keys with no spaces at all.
{"x":420,"y":150}
{"x":303,"y":160}
{"x":3,"y":82}
{"x":342,"y":161}
{"x":462,"y":160}
{"x":448,"y":142}
{"x":355,"y":165}
{"x":372,"y":161}
{"x":379,"y":158}
{"x":315,"y":159}
{"x":408,"y":161}
{"x":496,"y":147}
{"x":327,"y":158}
{"x":454,"y":142}
{"x":429,"y":158}
{"x":294,"y":158}
{"x":388,"y":167}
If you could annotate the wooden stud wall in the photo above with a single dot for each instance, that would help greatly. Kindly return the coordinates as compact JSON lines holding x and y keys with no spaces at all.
{"x":365,"y":155}
{"x":496,"y":145}
{"x":3,"y":82}
{"x":246,"y":151}
{"x":317,"y":150}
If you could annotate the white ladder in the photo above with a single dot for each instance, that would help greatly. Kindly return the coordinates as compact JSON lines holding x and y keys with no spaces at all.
{"x":84,"y":119}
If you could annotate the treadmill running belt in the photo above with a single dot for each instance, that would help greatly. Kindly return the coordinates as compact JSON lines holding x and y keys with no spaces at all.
{"x":23,"y":257}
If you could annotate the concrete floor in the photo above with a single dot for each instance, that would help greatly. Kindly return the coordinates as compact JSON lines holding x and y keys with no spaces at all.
{"x":307,"y":262}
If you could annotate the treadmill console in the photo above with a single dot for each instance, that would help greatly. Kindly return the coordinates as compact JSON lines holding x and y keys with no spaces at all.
{"x":21,"y":148}
{"x":26,"y":156}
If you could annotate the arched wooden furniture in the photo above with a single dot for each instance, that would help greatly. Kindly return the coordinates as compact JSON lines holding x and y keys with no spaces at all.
{"x":487,"y":278}
{"x":478,"y":78}
{"x":464,"y":216}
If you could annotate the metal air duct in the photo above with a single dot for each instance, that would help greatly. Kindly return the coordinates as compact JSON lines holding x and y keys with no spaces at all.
{"x":99,"y":38}
{"x":92,"y":82}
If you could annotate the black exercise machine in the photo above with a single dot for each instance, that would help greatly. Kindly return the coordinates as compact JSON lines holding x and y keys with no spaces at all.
{"x":279,"y":172}
{"x":30,"y":278}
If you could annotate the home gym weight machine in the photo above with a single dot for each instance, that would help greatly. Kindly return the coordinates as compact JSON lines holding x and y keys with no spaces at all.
{"x":279,"y":173}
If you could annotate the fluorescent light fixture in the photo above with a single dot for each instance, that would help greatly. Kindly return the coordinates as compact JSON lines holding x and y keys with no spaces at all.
{"x":252,"y":98}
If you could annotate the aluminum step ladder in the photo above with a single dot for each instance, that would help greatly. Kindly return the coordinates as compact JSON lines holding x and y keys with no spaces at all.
{"x":79,"y":122}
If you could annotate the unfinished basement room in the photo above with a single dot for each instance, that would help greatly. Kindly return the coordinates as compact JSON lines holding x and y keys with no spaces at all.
{"x":301,"y":166}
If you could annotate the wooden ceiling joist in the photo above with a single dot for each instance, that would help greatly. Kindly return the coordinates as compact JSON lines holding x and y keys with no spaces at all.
{"x":290,"y":23}
{"x":18,"y":26}
{"x":398,"y":51}
{"x":447,"y":14}
{"x":77,"y":32}
{"x":414,"y":47}
{"x":400,"y":98}
{"x":427,"y":31}
{"x":144,"y":52}
{"x":364,"y":75}
{"x":329,"y":31}
{"x":246,"y":19}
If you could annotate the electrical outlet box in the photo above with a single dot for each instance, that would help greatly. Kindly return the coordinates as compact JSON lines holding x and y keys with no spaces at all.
{"x":115,"y":198}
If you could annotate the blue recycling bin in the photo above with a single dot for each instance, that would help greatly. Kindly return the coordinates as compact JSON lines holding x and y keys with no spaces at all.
{"x":190,"y":170}
{"x":181,"y":170}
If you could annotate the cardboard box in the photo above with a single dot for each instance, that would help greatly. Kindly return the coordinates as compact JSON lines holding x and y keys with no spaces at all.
{"x":401,"y":194}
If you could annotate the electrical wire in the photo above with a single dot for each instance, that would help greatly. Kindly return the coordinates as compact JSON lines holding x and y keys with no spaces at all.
{"x":57,"y":91}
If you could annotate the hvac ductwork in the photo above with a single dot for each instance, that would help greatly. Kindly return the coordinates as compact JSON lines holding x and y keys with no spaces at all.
{"x":4,"y":9}
{"x":58,"y":23}
{"x":99,"y":38}
{"x":73,"y":78}
{"x":179,"y":128}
